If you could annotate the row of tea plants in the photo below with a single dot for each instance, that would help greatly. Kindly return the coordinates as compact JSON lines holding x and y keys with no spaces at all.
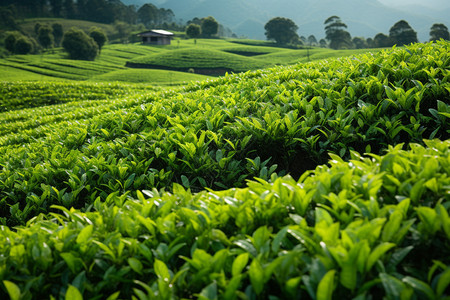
{"x":107,"y":197}
{"x":372,"y":227}
{"x":217,"y":134}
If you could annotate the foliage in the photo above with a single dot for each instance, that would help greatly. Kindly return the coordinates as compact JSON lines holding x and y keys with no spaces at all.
{"x":45,"y":36}
{"x":98,"y":36}
{"x":10,"y":40}
{"x":439,"y":31}
{"x":8,"y":17}
{"x":79,"y":45}
{"x":209,"y":26}
{"x":17,"y":43}
{"x":150,"y":15}
{"x":282,"y":30}
{"x":401,"y":33}
{"x":23,"y":46}
{"x":348,"y":230}
{"x":193,"y":30}
{"x":216,"y":134}
{"x":337,"y":35}
{"x":381,"y":41}
{"x":58,"y":33}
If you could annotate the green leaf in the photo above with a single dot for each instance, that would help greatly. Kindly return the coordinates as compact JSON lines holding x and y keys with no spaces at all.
{"x":443,"y":282}
{"x":13,"y":290}
{"x":185,"y":181}
{"x":232,"y":286}
{"x":239,"y":264}
{"x":136,"y":265}
{"x":256,"y":274}
{"x":114,"y":296}
{"x":247,"y":246}
{"x":326,"y":286}
{"x":394,"y":287}
{"x":392,"y":226}
{"x":377,"y":253}
{"x":73,"y":293}
{"x":85,"y":234}
{"x":209,"y":292}
{"x":161,"y":270}
{"x":420,"y":286}
{"x":74,"y":263}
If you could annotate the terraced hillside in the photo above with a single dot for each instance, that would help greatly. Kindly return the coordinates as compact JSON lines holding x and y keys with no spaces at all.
{"x":158,"y":65}
{"x":250,"y":186}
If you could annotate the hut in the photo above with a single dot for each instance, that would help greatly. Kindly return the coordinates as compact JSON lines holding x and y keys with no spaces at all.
{"x":156,"y":37}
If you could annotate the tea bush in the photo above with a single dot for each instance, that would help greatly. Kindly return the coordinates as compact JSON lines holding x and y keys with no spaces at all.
{"x":371,"y":227}
{"x":143,"y":195}
{"x":217,"y":134}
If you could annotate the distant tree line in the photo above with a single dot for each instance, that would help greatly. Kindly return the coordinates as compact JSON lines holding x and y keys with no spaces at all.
{"x":77,"y":43}
{"x":284,"y":31}
{"x":205,"y":27}
{"x":101,"y":11}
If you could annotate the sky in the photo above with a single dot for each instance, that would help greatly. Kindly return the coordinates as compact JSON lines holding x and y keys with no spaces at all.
{"x":429,"y":3}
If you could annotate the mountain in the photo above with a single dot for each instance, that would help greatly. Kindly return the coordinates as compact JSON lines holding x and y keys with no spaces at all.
{"x":363,"y":17}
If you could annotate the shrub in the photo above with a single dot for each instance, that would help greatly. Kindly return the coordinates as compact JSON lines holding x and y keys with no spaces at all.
{"x":79,"y":45}
{"x":23,"y":46}
{"x":99,"y":37}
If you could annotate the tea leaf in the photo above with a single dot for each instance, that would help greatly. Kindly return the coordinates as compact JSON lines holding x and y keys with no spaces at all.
{"x":326,"y":286}
{"x":239,"y":264}
{"x":13,"y":290}
{"x":73,"y":293}
{"x":256,"y":274}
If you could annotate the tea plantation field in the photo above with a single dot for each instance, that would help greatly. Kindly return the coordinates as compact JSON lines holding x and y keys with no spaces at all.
{"x":320,"y":180}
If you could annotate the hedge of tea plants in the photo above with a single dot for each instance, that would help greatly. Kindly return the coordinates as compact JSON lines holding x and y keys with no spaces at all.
{"x":144,"y":196}
{"x":372,"y":227}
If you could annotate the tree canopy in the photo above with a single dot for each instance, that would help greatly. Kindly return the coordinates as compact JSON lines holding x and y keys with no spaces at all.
{"x":79,"y":45}
{"x":439,"y":31}
{"x":45,"y":36}
{"x":402,"y":34}
{"x":336,"y":34}
{"x":99,"y":36}
{"x":193,"y":30}
{"x":209,"y":26}
{"x":281,"y":30}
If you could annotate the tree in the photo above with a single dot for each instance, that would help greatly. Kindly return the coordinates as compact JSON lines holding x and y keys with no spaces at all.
{"x":123,"y":31}
{"x":337,"y":35}
{"x":10,"y":40}
{"x":147,"y":14}
{"x":45,"y":36}
{"x":79,"y":45}
{"x":381,"y":40}
{"x":439,"y":31}
{"x":323,"y":43}
{"x":56,"y":6}
{"x":36,"y":28}
{"x":402,"y":34}
{"x":281,"y":30}
{"x":359,"y":42}
{"x":69,"y":9}
{"x":193,"y":30}
{"x":209,"y":26}
{"x":312,"y":40}
{"x":23,"y":46}
{"x":99,"y":37}
{"x":58,"y":33}
{"x":8,"y":18}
